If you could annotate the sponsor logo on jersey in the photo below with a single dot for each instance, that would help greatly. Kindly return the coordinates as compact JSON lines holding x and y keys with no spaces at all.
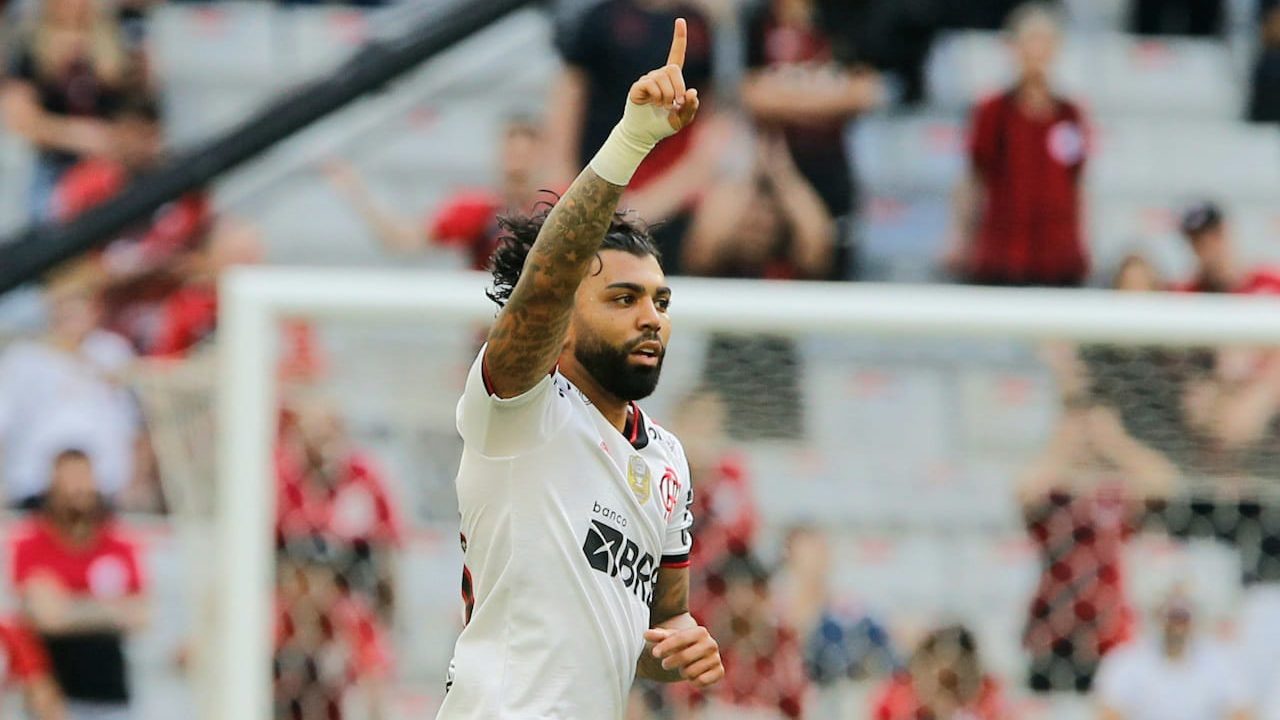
{"x":610,"y":551}
{"x":640,"y":478}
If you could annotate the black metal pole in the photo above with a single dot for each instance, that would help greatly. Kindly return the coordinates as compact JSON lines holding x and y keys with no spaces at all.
{"x":32,"y":252}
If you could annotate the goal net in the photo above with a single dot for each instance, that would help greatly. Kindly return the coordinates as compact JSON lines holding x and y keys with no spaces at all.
{"x":945,"y":499}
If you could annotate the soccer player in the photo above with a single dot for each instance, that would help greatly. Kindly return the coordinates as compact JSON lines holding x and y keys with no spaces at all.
{"x":575,"y":505}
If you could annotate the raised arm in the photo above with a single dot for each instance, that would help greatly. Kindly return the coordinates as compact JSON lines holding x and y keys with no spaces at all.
{"x":530,"y":330}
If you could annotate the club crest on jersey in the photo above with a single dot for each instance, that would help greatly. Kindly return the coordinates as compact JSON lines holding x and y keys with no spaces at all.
{"x":640,"y":478}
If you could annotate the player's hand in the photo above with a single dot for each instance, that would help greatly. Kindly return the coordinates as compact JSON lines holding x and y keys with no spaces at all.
{"x":659,"y":105}
{"x":692,"y":651}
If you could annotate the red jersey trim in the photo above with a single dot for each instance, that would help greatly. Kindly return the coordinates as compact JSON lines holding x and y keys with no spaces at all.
{"x":675,"y":562}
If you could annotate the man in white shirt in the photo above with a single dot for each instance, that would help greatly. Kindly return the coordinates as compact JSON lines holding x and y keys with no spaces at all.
{"x":64,"y":391}
{"x":1176,"y":676}
{"x":575,"y":504}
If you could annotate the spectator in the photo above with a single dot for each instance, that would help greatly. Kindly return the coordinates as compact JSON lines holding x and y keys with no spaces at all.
{"x":143,"y":263}
{"x":604,"y":51}
{"x":330,"y":491}
{"x":1217,"y":270}
{"x":66,"y":75}
{"x":772,"y":227}
{"x":331,"y":656}
{"x":467,"y":220}
{"x":79,"y":577}
{"x":801,"y":84}
{"x":1264,"y":96}
{"x":837,"y":644}
{"x":764,"y":667}
{"x":1146,"y":387}
{"x":1203,"y":18}
{"x":726,"y":516}
{"x":1081,"y":500}
{"x":1239,"y":409}
{"x":26,"y":667}
{"x":944,"y":680}
{"x":64,"y":391}
{"x":1019,"y":211}
{"x":1175,"y":675}
{"x":190,"y":315}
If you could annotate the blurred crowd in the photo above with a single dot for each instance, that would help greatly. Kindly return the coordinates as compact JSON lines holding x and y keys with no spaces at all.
{"x":764,"y":187}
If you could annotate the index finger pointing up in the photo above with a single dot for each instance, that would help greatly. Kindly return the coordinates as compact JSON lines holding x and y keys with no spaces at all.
{"x":678,"y":43}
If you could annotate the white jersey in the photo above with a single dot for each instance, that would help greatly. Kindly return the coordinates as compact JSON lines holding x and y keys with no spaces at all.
{"x":1141,"y":683}
{"x":565,"y":523}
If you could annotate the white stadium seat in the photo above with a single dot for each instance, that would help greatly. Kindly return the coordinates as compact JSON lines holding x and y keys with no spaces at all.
{"x":224,"y":43}
{"x":1109,"y":73}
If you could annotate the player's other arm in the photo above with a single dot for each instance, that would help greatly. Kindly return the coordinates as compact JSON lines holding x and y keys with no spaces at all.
{"x":530,"y":331}
{"x":676,"y":646}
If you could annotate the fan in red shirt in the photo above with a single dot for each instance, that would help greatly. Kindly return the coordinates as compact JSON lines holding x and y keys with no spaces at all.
{"x":141,"y":262}
{"x":80,"y":580}
{"x":24,"y":665}
{"x":329,"y":491}
{"x":190,"y":314}
{"x":330,"y":652}
{"x":1082,"y":500}
{"x":1217,"y":270}
{"x":763,"y":657}
{"x":726,"y":515}
{"x":944,"y":680}
{"x":1019,"y":213}
{"x":467,"y":220}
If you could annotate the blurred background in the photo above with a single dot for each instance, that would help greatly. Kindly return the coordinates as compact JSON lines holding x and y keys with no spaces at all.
{"x":889,"y":529}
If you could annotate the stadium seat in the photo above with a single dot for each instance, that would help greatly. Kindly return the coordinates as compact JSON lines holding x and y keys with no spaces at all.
{"x":903,"y":236}
{"x":1182,"y":159}
{"x":317,"y":39}
{"x":1163,"y":77}
{"x":1111,"y":74}
{"x":909,"y":153}
{"x":224,"y":43}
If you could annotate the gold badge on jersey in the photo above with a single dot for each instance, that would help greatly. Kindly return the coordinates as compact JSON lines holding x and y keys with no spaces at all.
{"x":640,"y":478}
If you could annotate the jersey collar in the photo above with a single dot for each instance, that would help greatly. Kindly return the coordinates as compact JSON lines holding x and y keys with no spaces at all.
{"x":635,"y":430}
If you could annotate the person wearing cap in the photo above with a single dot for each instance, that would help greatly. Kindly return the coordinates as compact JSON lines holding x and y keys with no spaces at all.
{"x":1205,"y":227}
{"x":1018,"y":214}
{"x":1174,"y":674}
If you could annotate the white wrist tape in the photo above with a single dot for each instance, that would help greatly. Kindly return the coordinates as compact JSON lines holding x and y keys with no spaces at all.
{"x":639,"y":131}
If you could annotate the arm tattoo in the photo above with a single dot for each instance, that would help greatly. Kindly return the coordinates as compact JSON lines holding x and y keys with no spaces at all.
{"x":529,"y":333}
{"x":670,"y":600}
{"x":670,"y":596}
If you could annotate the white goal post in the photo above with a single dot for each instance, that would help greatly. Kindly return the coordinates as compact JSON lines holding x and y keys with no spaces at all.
{"x":253,"y":301}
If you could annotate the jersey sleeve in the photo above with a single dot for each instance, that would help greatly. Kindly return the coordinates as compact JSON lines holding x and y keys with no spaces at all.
{"x":506,"y":427}
{"x":463,"y":220}
{"x":679,"y":538}
{"x":22,"y":563}
{"x":27,"y":657}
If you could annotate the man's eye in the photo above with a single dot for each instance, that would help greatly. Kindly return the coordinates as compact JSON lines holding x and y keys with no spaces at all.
{"x":625,"y":300}
{"x":663,"y":304}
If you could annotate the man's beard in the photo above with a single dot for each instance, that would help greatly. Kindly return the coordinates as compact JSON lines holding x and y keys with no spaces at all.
{"x":611,"y":367}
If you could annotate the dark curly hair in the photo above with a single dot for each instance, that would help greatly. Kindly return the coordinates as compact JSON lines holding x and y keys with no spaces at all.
{"x":627,"y":233}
